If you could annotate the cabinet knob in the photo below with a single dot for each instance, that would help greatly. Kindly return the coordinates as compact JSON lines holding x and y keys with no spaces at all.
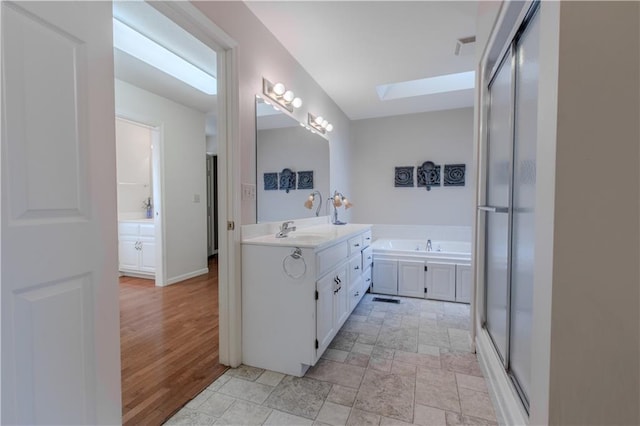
{"x":357,"y":267}
{"x":368,"y":279}
{"x":357,"y":294}
{"x":357,"y":245}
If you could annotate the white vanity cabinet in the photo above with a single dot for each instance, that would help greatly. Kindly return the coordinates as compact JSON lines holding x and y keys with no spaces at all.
{"x":332,"y":306}
{"x":137,"y":248}
{"x":293,"y":306}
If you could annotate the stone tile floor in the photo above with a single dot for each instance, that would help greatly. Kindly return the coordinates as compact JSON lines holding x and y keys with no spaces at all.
{"x":390,"y":364}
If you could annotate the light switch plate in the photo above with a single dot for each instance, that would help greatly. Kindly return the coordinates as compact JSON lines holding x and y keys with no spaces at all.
{"x":196,"y":198}
{"x":248,"y":191}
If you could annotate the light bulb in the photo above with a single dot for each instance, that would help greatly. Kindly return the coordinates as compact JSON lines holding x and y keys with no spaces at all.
{"x":318,"y":120}
{"x":324,"y":124}
{"x":278,"y":89}
{"x":297,"y":103}
{"x":309,"y":203}
{"x":329,"y":127}
{"x":337,"y":202}
{"x":288,"y":96}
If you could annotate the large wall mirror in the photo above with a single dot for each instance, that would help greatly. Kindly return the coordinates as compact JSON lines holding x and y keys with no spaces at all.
{"x":291,"y":163}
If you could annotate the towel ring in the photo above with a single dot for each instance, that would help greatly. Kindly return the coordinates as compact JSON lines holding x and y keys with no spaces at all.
{"x":296,"y":255}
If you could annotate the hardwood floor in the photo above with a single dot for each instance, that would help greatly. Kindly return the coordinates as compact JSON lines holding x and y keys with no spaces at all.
{"x":169,"y":344}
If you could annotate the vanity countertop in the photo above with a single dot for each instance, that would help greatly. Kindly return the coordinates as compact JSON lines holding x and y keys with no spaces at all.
{"x":316,"y":237}
{"x":136,"y":220}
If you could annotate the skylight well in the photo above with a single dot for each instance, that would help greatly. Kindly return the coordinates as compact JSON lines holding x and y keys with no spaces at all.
{"x":139,"y":46}
{"x":427,"y":86}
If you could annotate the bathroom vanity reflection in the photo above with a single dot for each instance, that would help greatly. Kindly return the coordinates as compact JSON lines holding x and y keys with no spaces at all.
{"x":283,"y":145}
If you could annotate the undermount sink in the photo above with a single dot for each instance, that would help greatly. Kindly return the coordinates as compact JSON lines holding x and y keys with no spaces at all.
{"x":307,"y":237}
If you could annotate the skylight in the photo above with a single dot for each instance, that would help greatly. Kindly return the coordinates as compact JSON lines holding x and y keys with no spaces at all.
{"x":137,"y":45}
{"x":427,"y":86}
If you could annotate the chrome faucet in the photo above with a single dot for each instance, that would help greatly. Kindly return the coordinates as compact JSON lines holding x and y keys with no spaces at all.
{"x":285,"y":229}
{"x":429,"y":248}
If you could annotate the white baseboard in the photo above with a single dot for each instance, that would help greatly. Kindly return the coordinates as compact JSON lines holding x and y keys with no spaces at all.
{"x":137,"y":274}
{"x":183,"y":277}
{"x":509,"y":409}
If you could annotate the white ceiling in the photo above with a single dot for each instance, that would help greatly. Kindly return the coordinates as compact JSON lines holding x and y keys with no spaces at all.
{"x":153,"y":24}
{"x":350,"y":47}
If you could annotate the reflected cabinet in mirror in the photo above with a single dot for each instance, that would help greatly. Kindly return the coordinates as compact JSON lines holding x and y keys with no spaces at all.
{"x":291,"y":163}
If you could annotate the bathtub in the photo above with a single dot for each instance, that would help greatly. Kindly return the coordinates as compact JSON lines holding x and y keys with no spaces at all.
{"x":404,"y":267}
{"x":451,"y":250}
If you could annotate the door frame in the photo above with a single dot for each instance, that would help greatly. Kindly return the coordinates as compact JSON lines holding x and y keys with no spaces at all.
{"x":157,"y":182}
{"x":200,"y":26}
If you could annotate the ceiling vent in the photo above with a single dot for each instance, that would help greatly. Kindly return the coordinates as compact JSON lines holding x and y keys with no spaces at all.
{"x":465,"y":46}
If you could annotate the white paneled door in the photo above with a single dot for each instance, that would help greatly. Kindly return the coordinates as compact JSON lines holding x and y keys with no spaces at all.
{"x":60,"y":319}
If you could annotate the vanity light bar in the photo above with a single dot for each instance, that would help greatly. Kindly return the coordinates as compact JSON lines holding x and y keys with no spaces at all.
{"x":319,"y":124}
{"x":278,"y":93}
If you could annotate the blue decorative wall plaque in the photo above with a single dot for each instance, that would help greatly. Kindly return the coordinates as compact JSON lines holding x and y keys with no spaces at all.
{"x":287,"y":180}
{"x":305,"y":180}
{"x":428,"y":175}
{"x":404,"y":177}
{"x":454,"y":174}
{"x":270,"y":181}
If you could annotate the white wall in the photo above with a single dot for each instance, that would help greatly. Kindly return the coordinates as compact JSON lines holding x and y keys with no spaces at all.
{"x":184,"y":175}
{"x":595,"y":323}
{"x":133,"y":151}
{"x":381,"y":144}
{"x":261,"y":55}
{"x":297,"y":149}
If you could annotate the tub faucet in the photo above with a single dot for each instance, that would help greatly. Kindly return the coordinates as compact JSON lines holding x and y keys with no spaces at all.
{"x":429,"y":248}
{"x":285,"y":229}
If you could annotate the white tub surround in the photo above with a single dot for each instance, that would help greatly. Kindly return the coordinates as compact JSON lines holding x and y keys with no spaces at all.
{"x":422,"y":232}
{"x":298,"y":291}
{"x":406,"y":267}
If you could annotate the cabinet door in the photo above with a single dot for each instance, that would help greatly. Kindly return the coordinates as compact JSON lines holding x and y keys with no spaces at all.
{"x":325,"y":328}
{"x":441,"y":281}
{"x":355,"y":268}
{"x":411,"y":278}
{"x":356,"y":290}
{"x":463,"y":283}
{"x":128,"y":254}
{"x":148,"y":255}
{"x":341,"y":298}
{"x":385,"y":277}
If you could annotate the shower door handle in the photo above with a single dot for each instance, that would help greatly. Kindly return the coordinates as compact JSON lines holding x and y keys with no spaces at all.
{"x":492,"y":209}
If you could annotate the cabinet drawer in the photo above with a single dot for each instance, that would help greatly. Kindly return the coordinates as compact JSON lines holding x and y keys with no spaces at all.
{"x":355,"y":245}
{"x":128,"y":229}
{"x":367,"y":258}
{"x":147,"y":230}
{"x":355,"y":267}
{"x":329,"y":258}
{"x":366,"y":239}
